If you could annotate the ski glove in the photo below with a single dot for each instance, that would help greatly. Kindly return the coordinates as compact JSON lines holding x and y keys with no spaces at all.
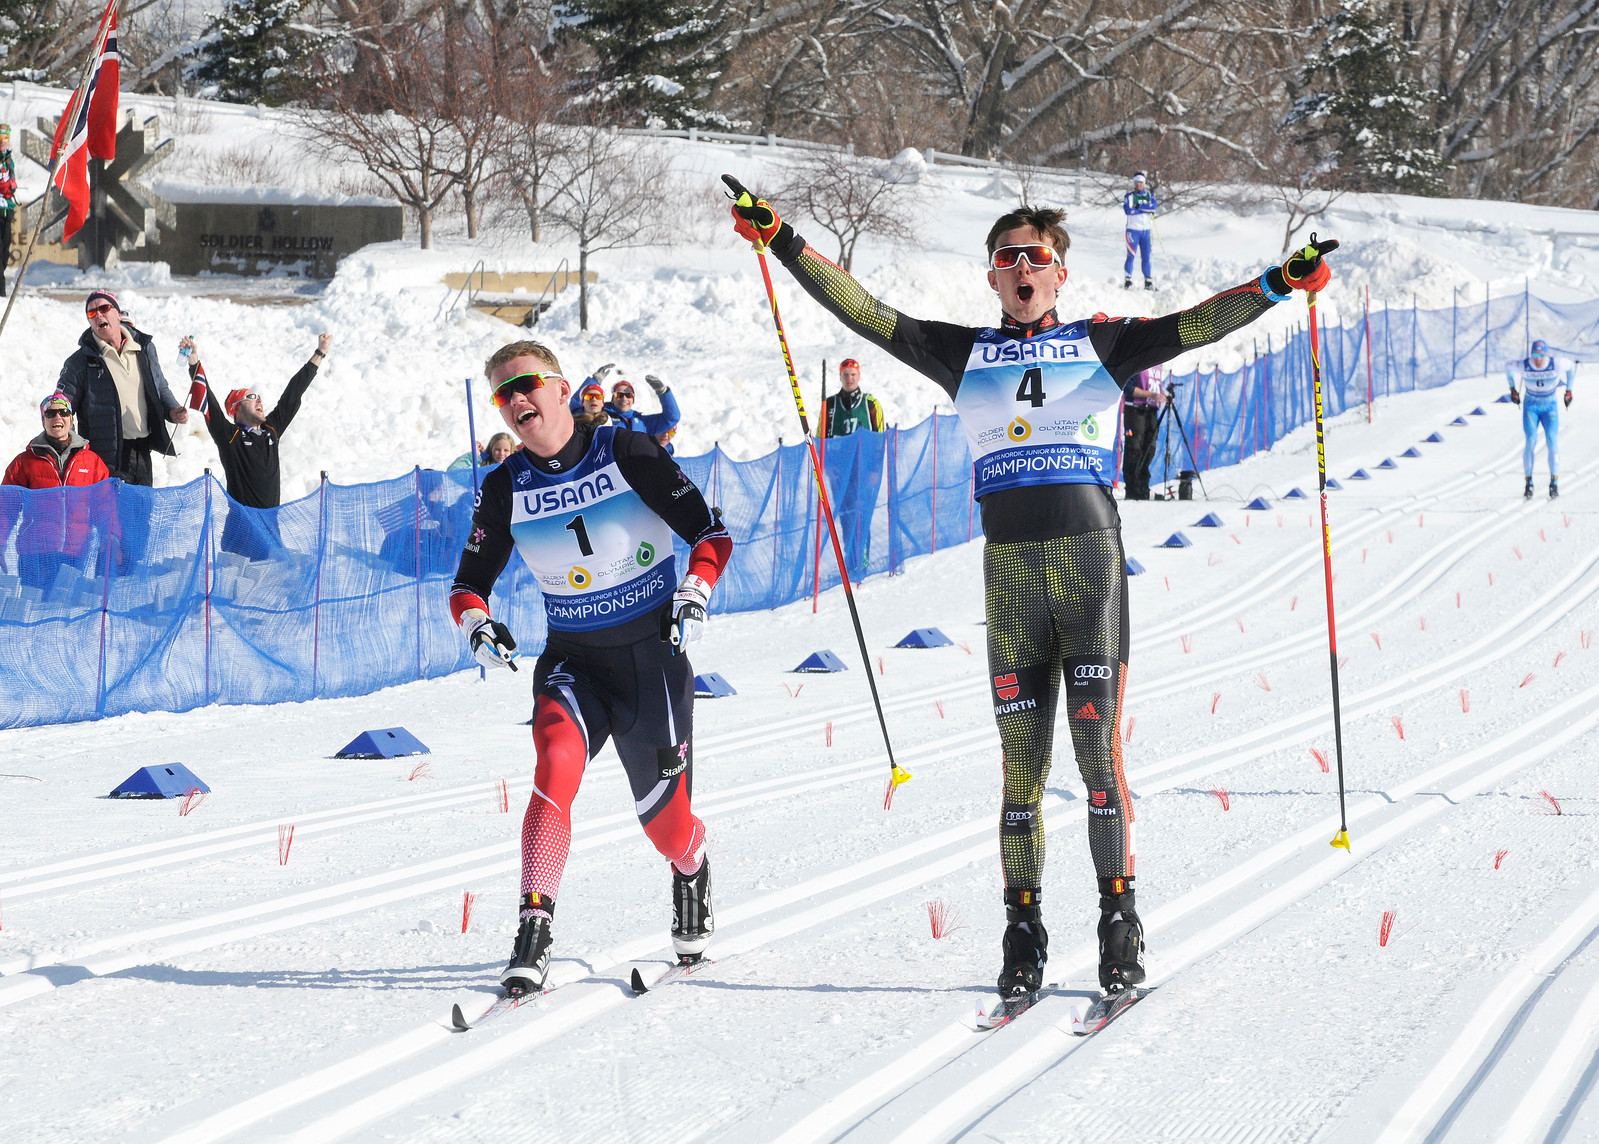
{"x":1568,"y":397}
{"x":1515,"y":396}
{"x":1306,"y":270}
{"x":753,"y":219}
{"x":655,"y":383}
{"x":492,"y":642}
{"x":685,"y":622}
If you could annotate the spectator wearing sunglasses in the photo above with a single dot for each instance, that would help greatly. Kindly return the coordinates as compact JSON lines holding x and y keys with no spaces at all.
{"x":590,"y":408}
{"x":851,"y":408}
{"x":1038,"y":399}
{"x":1139,"y":206}
{"x":620,"y":408}
{"x":247,"y":438}
{"x":593,"y":511}
{"x":115,"y":384}
{"x":55,"y":531}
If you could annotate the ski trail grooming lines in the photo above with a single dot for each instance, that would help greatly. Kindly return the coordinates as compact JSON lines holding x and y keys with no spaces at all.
{"x":897,"y":777}
{"x":1341,"y":839}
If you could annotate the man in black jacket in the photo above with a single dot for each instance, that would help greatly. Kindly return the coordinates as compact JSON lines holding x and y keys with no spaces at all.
{"x":114,"y":381}
{"x":246,"y":438}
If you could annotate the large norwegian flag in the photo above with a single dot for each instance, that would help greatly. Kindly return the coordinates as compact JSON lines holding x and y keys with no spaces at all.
{"x":88,"y":128}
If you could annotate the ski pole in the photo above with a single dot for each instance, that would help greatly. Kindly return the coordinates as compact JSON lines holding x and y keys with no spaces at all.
{"x":897,"y":776}
{"x":1341,"y":839}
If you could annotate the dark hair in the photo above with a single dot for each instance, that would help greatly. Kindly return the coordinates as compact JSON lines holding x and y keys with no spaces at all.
{"x":1047,"y":221}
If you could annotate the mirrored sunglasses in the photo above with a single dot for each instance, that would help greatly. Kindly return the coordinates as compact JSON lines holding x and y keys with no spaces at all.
{"x":1037,"y":255}
{"x":523,"y":383}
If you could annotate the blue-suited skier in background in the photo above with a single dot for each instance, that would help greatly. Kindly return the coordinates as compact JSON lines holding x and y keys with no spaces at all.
{"x":1139,"y":206}
{"x":1542,"y":375}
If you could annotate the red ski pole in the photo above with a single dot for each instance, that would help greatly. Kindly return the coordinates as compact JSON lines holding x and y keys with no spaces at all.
{"x":1340,"y":839}
{"x":897,"y":776}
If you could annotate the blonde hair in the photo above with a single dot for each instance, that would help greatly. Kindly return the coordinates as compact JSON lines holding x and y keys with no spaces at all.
{"x":519,"y":349}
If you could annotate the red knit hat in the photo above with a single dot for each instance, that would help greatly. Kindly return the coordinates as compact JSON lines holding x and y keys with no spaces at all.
{"x":594,"y":388}
{"x":235,"y":396}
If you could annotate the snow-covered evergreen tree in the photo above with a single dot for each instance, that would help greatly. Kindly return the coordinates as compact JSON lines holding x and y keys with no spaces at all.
{"x":657,"y":61}
{"x":255,"y":52}
{"x":1354,"y":97}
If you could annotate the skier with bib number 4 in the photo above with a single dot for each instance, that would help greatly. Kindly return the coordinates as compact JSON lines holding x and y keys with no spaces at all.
{"x":592,"y":509}
{"x":1038,"y":399}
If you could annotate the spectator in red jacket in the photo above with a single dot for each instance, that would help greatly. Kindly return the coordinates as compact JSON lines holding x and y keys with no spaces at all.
{"x":56,"y":530}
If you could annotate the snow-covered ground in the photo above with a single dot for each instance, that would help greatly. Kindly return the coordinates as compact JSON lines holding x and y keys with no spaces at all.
{"x":166,"y":978}
{"x":693,"y":312}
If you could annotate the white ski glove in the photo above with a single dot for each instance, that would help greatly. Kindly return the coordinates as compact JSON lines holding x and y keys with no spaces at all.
{"x":492,"y":643}
{"x":685,"y":622}
{"x":655,"y":383}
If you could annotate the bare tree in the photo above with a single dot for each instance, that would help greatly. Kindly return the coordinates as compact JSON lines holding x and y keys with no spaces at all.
{"x":850,"y":198}
{"x":608,"y":197}
{"x":397,"y":118}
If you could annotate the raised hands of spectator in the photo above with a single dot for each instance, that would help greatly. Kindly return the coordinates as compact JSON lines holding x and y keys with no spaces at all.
{"x":324,"y":342}
{"x":655,"y":383}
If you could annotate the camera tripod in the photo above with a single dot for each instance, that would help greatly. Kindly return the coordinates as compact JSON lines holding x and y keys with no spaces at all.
{"x":1170,"y":409}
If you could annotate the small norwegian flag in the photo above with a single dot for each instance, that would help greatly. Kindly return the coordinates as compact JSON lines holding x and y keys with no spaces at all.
{"x":199,"y":400}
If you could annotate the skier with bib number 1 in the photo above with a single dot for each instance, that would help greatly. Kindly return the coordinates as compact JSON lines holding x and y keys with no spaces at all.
{"x":593,"y":510}
{"x":1038,"y":399}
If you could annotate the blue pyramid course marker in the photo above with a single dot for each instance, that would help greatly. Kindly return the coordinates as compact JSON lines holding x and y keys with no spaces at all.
{"x":1360,"y":475}
{"x":1433,"y":438}
{"x":1209,"y":520}
{"x":926,"y":637}
{"x":1134,"y":568}
{"x":1502,"y":399}
{"x":1259,"y":504}
{"x":1176,"y":540}
{"x":821,"y":663}
{"x":1479,"y":412}
{"x":1295,"y":493}
{"x":1332,"y":483}
{"x":712,"y":686}
{"x":1411,"y":452}
{"x":1388,"y":463}
{"x":165,"y":780}
{"x":1459,"y":421}
{"x":384,"y":743}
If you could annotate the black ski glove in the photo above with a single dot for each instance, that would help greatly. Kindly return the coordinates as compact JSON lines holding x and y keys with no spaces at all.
{"x":1515,"y":396}
{"x":655,"y":383}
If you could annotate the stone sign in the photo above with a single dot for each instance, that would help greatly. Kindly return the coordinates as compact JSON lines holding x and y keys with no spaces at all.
{"x":302,"y":239}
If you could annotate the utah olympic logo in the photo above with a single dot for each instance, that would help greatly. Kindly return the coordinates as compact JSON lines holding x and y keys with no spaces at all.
{"x":1089,"y":430}
{"x":645,"y":556}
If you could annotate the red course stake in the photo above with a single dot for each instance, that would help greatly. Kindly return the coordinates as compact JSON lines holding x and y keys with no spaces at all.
{"x":192,"y":799}
{"x":505,"y":798}
{"x":466,"y":909}
{"x":1221,"y":797}
{"x":1499,"y":857}
{"x":942,"y":919}
{"x":1553,"y":801}
{"x":1321,"y":757}
{"x":1399,"y":725}
{"x":285,"y":842}
{"x":1388,"y":917}
{"x":1215,"y":698}
{"x":1465,"y":701}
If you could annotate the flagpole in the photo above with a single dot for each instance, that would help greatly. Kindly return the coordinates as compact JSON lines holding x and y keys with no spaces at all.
{"x":70,"y":114}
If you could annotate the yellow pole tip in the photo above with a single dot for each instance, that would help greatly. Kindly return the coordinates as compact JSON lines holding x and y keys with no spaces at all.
{"x":901,"y":775}
{"x":1341,"y":840}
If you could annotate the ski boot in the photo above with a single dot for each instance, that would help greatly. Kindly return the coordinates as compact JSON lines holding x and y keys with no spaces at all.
{"x":1527,"y":492}
{"x":530,"y":961}
{"x":1121,"y":936}
{"x":1149,"y":283}
{"x":1025,"y":946}
{"x":692,"y":921}
{"x":1554,"y":488}
{"x":1127,"y":283}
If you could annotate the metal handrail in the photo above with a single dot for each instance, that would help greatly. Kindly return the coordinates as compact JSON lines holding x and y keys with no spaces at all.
{"x":481,"y":271}
{"x":550,"y":289}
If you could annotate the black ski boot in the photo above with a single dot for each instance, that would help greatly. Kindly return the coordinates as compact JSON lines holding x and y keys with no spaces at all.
{"x":530,"y":961}
{"x":1149,"y":283}
{"x":1127,"y":283}
{"x":692,"y":921}
{"x":1527,"y":492}
{"x":1025,"y":946}
{"x":1554,"y":488}
{"x":1121,"y":936}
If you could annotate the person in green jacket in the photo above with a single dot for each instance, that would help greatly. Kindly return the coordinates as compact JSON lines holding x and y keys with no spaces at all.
{"x":851,"y":408}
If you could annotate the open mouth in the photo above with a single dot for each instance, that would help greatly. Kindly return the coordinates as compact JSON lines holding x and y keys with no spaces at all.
{"x":1024,"y":293}
{"x":526,"y":415}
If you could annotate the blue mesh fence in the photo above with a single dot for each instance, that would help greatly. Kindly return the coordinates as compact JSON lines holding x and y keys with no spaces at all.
{"x":115,"y":598}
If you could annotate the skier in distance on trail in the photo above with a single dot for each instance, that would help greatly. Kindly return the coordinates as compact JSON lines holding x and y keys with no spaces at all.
{"x":1139,"y":206}
{"x":1038,"y":400}
{"x":1541,"y":375}
{"x":592,"y":510}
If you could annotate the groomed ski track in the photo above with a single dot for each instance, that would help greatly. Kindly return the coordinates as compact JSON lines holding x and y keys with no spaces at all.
{"x":402,"y":1084}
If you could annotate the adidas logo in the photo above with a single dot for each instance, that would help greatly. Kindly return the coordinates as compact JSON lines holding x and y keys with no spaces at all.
{"x":1086,"y":711}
